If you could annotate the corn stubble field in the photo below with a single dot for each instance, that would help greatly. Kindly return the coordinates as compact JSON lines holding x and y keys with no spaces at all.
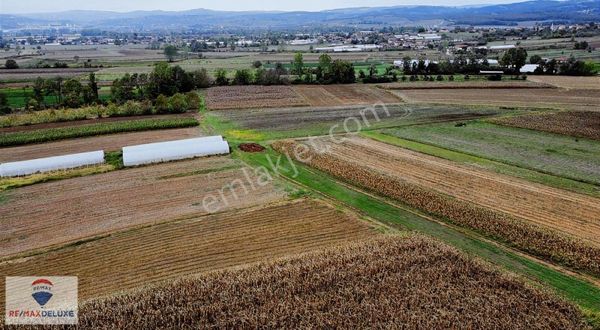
{"x":453,"y":202}
{"x":378,"y":283}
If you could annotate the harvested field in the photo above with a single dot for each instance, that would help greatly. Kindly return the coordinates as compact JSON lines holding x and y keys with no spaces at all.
{"x":65,"y":211}
{"x":386,"y":282}
{"x":320,"y":120}
{"x":335,"y":95}
{"x":533,"y":217}
{"x":103,"y":142}
{"x":585,"y":124}
{"x":544,"y":152}
{"x":144,"y":256}
{"x":541,"y":97}
{"x":568,"y":82}
{"x":248,"y":97}
{"x":463,"y":85}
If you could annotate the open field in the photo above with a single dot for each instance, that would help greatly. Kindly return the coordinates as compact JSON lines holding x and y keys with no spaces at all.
{"x":10,"y":75}
{"x":241,"y":97}
{"x":585,"y":124}
{"x":544,"y":152}
{"x":71,"y":132}
{"x":481,"y":84}
{"x":303,"y":121}
{"x":333,"y":95}
{"x":144,"y":256}
{"x":384,"y":282}
{"x":544,"y":221}
{"x":65,"y":211}
{"x":248,"y":97}
{"x":569,"y":82}
{"x":104,"y":142}
{"x":542,"y":97}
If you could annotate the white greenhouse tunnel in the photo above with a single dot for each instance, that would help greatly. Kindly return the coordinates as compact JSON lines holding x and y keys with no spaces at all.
{"x":32,"y":166}
{"x":174,"y":150}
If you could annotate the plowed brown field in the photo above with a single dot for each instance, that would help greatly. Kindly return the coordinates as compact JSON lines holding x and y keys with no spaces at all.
{"x":332,"y":95}
{"x":574,"y":123}
{"x":575,"y":214}
{"x":64,"y":211}
{"x":541,"y":97}
{"x":568,"y":82}
{"x":104,"y":142}
{"x":144,"y":256}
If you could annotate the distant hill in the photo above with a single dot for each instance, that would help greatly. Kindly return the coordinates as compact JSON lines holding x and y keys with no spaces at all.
{"x":571,"y":11}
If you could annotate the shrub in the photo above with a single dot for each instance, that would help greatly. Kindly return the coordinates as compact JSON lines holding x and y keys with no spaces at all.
{"x":193,"y":100}
{"x":451,"y":78}
{"x":162,"y":104}
{"x":440,"y":77}
{"x":178,"y":103}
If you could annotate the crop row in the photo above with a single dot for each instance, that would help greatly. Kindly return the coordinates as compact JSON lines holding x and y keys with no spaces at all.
{"x":53,"y":134}
{"x":585,"y":124}
{"x":383,"y":282}
{"x":531,"y":238}
{"x":246,"y":97}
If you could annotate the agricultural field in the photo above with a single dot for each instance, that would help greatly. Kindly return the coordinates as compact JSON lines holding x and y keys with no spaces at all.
{"x":568,"y":82}
{"x":574,"y":214}
{"x":304,"y":121}
{"x":543,"y":97}
{"x":15,"y":75}
{"x":61,"y":212}
{"x":113,"y":142}
{"x":145,"y":256}
{"x":479,"y":200}
{"x":247,"y":97}
{"x":577,"y":159}
{"x":381,"y":282}
{"x":465,"y":84}
{"x":335,"y":95}
{"x":585,"y":124}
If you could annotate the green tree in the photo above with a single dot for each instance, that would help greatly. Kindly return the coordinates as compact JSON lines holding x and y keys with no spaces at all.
{"x":535,"y":59}
{"x":201,"y":78}
{"x":514,"y":59}
{"x":72,"y":93}
{"x":38,"y":91}
{"x":221,"y":77}
{"x":11,"y":64}
{"x":93,"y":88}
{"x":298,"y":64}
{"x":170,"y":52}
{"x":4,"y":107}
{"x":242,"y":77}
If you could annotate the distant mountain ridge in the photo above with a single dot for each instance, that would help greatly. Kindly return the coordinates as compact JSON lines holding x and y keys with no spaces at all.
{"x":570,"y":11}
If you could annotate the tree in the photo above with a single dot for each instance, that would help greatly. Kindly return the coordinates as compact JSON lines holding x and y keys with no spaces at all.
{"x":242,"y":77}
{"x":257,"y":64}
{"x":201,"y":78}
{"x":72,"y":92}
{"x":406,"y":65}
{"x":535,"y":59}
{"x":298,"y":64}
{"x":92,"y":88}
{"x":170,"y":52}
{"x":324,"y":68}
{"x":38,"y":91}
{"x":4,"y":107}
{"x":11,"y":64}
{"x":514,"y":59}
{"x":221,"y":77}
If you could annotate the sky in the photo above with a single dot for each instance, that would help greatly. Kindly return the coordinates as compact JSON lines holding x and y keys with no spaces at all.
{"x":42,"y":6}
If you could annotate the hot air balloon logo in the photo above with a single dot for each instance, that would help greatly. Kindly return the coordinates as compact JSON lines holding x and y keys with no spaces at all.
{"x":42,"y":291}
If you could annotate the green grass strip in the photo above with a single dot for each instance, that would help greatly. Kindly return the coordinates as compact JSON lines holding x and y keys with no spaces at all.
{"x":54,"y":134}
{"x":581,"y":292}
{"x":498,"y":167}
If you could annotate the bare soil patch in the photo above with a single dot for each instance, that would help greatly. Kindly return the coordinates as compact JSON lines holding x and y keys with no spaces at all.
{"x":248,"y":97}
{"x":65,"y":211}
{"x":569,"y":82}
{"x":585,"y":124}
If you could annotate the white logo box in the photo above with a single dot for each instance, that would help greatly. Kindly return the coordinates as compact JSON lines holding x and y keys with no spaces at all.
{"x":41,"y":300}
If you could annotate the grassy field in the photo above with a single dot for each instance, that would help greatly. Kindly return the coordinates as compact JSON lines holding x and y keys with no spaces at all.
{"x":17,"y":97}
{"x":54,"y":134}
{"x":572,"y":158}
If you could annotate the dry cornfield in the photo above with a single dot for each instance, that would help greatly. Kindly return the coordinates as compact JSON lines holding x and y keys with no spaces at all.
{"x":248,"y":97}
{"x":140,"y":257}
{"x":585,"y":124}
{"x":56,"y":213}
{"x":383,"y":282}
{"x":486,"y":202}
{"x":336,"y":95}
